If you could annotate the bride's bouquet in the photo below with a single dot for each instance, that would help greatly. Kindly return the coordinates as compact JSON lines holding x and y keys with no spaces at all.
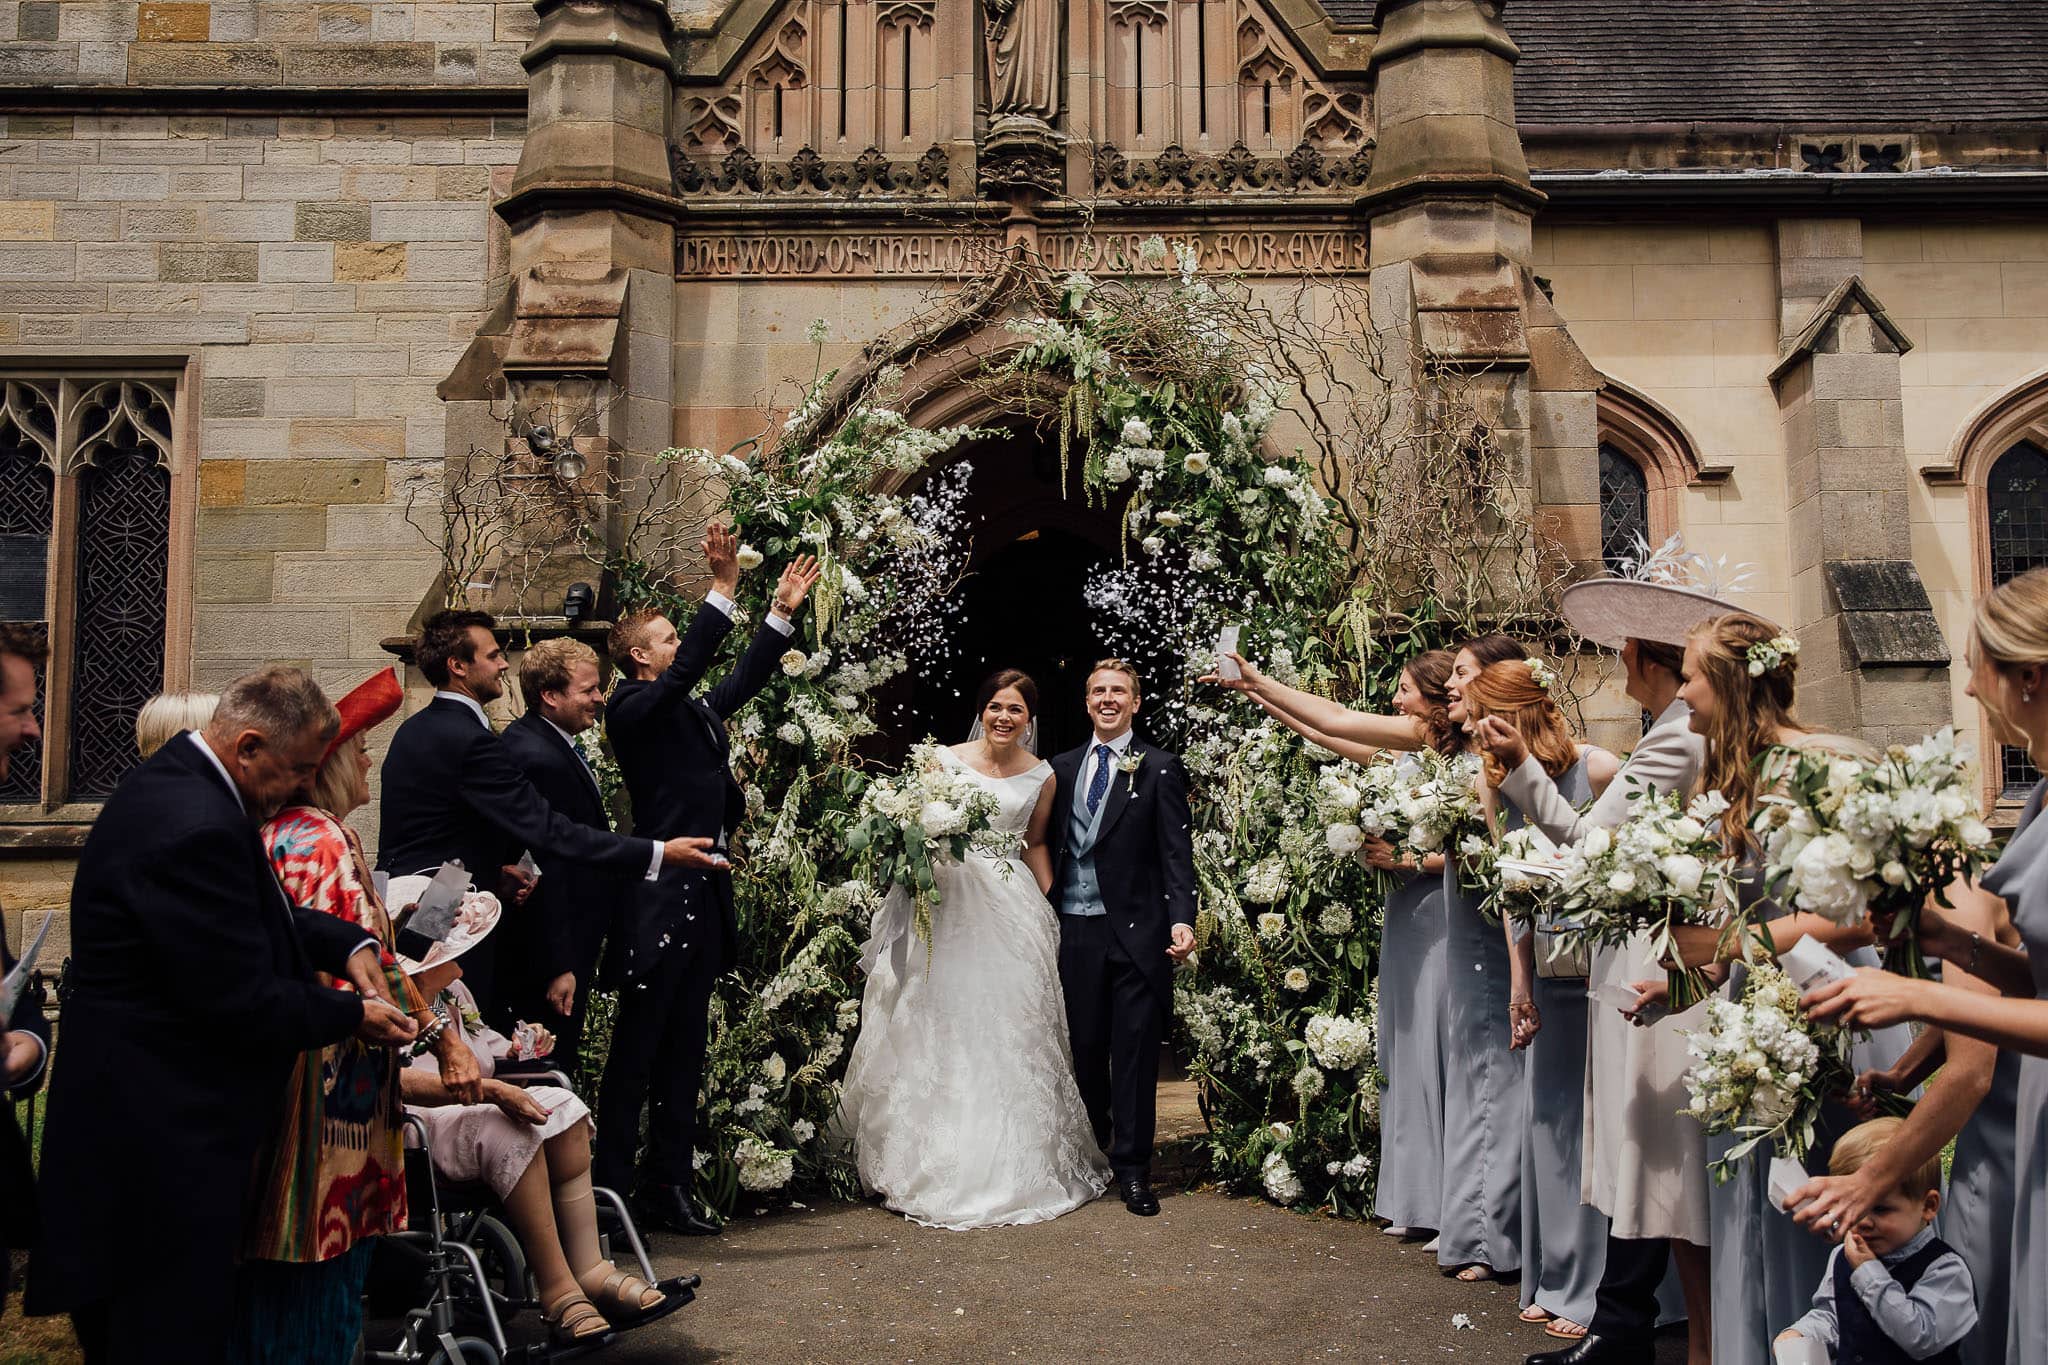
{"x":1844,"y":836}
{"x":1761,"y":1068}
{"x":1661,"y":868}
{"x":905,"y":826}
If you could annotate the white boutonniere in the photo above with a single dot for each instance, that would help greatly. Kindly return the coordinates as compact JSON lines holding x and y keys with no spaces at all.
{"x":1129,"y":763}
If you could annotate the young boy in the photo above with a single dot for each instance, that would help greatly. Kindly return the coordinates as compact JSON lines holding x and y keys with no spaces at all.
{"x":1893,"y":1292}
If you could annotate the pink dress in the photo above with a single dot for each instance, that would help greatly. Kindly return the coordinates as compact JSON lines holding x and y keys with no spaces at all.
{"x":472,"y":1142}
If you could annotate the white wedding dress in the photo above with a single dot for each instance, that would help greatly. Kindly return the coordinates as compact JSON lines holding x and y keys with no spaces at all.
{"x":960,"y":1098}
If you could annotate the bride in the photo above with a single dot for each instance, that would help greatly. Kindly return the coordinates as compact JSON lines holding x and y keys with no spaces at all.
{"x":960,"y":1097}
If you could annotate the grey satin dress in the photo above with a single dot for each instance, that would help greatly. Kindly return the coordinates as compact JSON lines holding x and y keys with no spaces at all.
{"x":2019,"y":1279}
{"x":1411,"y":1022}
{"x":1564,"y":1240}
{"x":1976,"y":1219}
{"x":1766,"y":1266}
{"x":1485,"y":1104}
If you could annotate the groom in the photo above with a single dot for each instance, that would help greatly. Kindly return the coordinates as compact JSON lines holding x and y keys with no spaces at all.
{"x":1123,"y":860}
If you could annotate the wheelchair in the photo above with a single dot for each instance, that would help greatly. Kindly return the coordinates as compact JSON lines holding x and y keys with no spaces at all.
{"x":458,"y":1275}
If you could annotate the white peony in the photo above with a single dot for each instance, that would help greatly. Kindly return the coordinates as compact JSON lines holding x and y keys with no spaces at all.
{"x":1344,"y":840}
{"x":1282,"y":1185}
{"x":749,"y":558}
{"x":941,"y":818}
{"x":1136,"y":433}
{"x":793,"y":662}
{"x":1296,"y":979}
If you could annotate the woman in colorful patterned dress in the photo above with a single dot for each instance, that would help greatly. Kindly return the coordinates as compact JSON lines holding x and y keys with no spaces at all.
{"x":334,"y":1176}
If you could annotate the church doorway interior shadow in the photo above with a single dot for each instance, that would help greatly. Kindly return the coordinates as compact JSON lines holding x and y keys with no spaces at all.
{"x":1021,"y":605}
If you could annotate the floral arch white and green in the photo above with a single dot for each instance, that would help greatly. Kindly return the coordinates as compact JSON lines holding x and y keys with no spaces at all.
{"x":1165,"y":391}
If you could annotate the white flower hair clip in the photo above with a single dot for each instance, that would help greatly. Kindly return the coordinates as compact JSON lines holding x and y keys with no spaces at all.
{"x":1771,"y":655}
{"x":1543,"y":674}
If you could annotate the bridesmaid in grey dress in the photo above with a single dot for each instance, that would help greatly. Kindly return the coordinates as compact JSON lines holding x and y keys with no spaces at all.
{"x":1564,"y":1240}
{"x":1764,"y":1264}
{"x":1411,"y":981}
{"x":1485,"y":1100}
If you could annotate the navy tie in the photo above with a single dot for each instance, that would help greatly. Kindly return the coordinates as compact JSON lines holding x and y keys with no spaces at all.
{"x":1099,"y":783}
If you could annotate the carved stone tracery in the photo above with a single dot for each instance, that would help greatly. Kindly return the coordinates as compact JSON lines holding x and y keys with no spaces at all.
{"x":1177,"y":171}
{"x":739,"y":173}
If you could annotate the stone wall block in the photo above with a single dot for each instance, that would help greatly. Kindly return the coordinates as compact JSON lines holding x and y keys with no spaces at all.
{"x":1840,"y":237}
{"x":206,"y":182}
{"x":427,"y":222}
{"x":294,"y":183}
{"x":267,"y":529}
{"x":1856,"y":376}
{"x":363,"y":260}
{"x":358,"y":64}
{"x":190,"y":261}
{"x":182,"y":330}
{"x":204,"y":64}
{"x":171,"y":21}
{"x":1864,"y":525}
{"x":311,"y":398}
{"x":1570,"y":419}
{"x":287,"y":632}
{"x":115,"y":184}
{"x":356,"y":438}
{"x":222,"y":222}
{"x":34,"y":261}
{"x":322,"y":577}
{"x":28,"y":62}
{"x":229,"y":398}
{"x":22,"y":221}
{"x":1873,"y":422}
{"x":296,"y":262}
{"x":52,"y":298}
{"x":335,"y":222}
{"x":1567,"y":475}
{"x":315,"y":483}
{"x":240,"y":579}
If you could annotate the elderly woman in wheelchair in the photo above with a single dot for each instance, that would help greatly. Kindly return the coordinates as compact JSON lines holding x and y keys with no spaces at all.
{"x":530,"y":1144}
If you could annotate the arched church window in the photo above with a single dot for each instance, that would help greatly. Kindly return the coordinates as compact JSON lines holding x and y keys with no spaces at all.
{"x":2016,"y":506}
{"x":86,"y":542}
{"x":1624,"y":506}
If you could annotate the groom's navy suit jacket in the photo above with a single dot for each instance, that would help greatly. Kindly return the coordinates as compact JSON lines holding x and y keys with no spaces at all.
{"x":673,"y":751}
{"x":1144,"y":851}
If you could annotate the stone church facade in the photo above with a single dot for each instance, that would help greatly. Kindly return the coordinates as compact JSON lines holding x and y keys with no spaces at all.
{"x":1772,"y":276}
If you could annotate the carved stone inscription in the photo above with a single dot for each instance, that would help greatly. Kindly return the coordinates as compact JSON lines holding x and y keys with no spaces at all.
{"x":856,"y":255}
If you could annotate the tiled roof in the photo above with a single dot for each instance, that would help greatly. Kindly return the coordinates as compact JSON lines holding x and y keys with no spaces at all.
{"x":1863,"y":62}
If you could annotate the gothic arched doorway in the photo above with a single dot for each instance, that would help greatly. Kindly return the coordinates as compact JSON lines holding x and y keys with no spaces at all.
{"x":1021,"y":604}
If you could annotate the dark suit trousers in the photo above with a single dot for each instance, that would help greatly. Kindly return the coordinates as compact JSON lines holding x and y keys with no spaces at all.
{"x":657,"y":1061}
{"x":1627,"y":1304}
{"x":1117,"y":1024}
{"x":180,"y":1312}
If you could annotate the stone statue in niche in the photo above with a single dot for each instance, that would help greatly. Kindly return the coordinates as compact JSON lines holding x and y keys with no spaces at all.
{"x":1024,"y":58}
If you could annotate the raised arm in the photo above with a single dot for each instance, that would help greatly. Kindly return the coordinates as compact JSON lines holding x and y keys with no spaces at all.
{"x":1333,"y":719}
{"x":1343,"y":748}
{"x":496,"y":790}
{"x":1037,"y":856}
{"x":758,"y":664}
{"x":1873,"y":998}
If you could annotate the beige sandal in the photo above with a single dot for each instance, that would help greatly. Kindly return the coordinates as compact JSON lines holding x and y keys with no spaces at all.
{"x":1564,"y":1329}
{"x":574,"y":1318}
{"x":621,"y":1294}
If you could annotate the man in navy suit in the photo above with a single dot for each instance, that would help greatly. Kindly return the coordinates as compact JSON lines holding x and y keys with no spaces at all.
{"x":450,"y":791}
{"x":192,"y":990}
{"x":549,"y":946}
{"x":673,"y":749}
{"x":1123,"y":858}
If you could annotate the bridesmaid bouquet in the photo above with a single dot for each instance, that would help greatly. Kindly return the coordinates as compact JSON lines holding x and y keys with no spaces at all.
{"x":1525,"y":868}
{"x":1661,"y":868}
{"x":1844,"y":837}
{"x":1760,"y":1069}
{"x":905,"y":826}
{"x":1441,"y":809}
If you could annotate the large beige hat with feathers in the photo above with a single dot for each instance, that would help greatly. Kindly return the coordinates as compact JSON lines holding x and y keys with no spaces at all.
{"x":1658,"y":595}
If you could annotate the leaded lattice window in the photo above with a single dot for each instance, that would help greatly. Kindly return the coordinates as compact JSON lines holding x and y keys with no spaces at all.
{"x":2016,"y":499}
{"x":1624,"y":506}
{"x":85,"y":550}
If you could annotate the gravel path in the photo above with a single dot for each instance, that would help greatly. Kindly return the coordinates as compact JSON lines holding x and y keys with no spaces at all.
{"x":1212,"y":1279}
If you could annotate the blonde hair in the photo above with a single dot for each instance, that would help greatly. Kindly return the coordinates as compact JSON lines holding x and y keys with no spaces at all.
{"x":340,"y":786}
{"x":2010,"y":630}
{"x":1123,"y":666}
{"x":1748,"y":714}
{"x":1510,"y":690}
{"x":548,"y":666}
{"x":164,"y":715}
{"x":1855,"y":1148}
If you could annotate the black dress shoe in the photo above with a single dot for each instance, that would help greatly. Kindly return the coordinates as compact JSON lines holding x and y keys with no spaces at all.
{"x":1138,"y":1197}
{"x":1597,"y":1350}
{"x":668,"y":1209}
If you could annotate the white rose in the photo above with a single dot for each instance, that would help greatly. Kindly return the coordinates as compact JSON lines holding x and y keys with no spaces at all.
{"x":1136,"y":433}
{"x":793,"y":662}
{"x":1622,"y":882}
{"x":941,"y":818}
{"x":1167,"y":519}
{"x":1197,"y":462}
{"x":748,"y":558}
{"x":1894,"y":873}
{"x":1597,"y":843}
{"x":1683,"y":872}
{"x":1295,"y":980}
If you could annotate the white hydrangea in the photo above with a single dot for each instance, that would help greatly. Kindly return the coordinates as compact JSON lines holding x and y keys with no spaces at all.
{"x":1282,"y":1185}
{"x":803,"y":1130}
{"x":1266,"y":883}
{"x":762,"y":1167}
{"x":1338,"y":1041}
{"x":1136,"y":433}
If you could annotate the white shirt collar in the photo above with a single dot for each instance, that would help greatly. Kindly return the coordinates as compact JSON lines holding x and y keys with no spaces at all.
{"x":567,"y":738}
{"x":1119,"y":746}
{"x":470,"y":702}
{"x":219,"y":767}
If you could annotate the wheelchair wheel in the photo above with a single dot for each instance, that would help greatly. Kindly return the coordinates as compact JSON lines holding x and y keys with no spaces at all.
{"x":469,"y":1351}
{"x":504,"y":1262}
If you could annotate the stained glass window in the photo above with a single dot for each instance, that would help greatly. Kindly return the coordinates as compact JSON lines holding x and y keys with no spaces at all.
{"x":2016,"y":498}
{"x":1624,"y":506}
